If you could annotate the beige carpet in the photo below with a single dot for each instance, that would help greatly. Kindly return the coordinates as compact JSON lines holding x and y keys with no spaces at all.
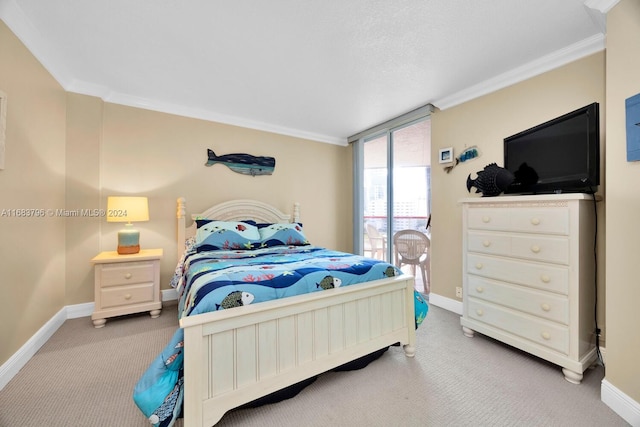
{"x":85,"y":377}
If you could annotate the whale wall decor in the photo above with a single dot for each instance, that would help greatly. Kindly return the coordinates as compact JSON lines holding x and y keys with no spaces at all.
{"x":245,"y":164}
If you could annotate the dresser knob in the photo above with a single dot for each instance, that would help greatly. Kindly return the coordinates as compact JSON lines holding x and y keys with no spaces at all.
{"x":535,"y":249}
{"x":479,"y":289}
{"x":486,"y":243}
{"x":479,"y":312}
{"x":127,"y":296}
{"x":127,"y":276}
{"x":545,"y":307}
{"x":535,"y":221}
{"x":486,"y":219}
{"x":479,"y":266}
{"x":546,"y":335}
{"x":545,"y":278}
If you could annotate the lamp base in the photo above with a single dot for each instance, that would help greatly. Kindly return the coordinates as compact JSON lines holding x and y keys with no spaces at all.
{"x":128,"y":240}
{"x":128,"y":250}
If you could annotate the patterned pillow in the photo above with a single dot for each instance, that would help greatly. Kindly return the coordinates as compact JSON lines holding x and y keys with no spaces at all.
{"x":282,"y":234}
{"x":215,"y":235}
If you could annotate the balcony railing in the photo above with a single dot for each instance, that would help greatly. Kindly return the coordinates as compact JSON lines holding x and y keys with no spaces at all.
{"x":399,"y":222}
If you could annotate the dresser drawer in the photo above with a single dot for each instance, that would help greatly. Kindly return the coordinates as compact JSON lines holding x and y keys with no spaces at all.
{"x":541,"y":248}
{"x":540,"y":220}
{"x":542,"y":304}
{"x":537,"y":248}
{"x":541,"y":276}
{"x":521,"y":220}
{"x":127,"y":273}
{"x":489,"y":243}
{"x":488,"y":219}
{"x":126,"y":295}
{"x":543,"y":332}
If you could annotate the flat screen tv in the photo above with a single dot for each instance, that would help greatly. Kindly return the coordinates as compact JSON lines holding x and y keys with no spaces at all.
{"x":559,"y":156}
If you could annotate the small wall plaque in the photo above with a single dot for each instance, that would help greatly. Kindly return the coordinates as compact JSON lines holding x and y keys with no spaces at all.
{"x":632,"y":108}
{"x":445,"y":155}
{"x":3,"y":126}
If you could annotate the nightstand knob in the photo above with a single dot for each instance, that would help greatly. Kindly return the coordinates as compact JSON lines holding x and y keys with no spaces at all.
{"x":479,"y":266}
{"x":545,"y":307}
{"x":127,"y":296}
{"x":486,"y":243}
{"x":479,"y":289}
{"x":479,"y":312}
{"x":535,"y":249}
{"x":545,"y":278}
{"x":546,"y":335}
{"x":486,"y":219}
{"x":535,"y":221}
{"x":128,"y":276}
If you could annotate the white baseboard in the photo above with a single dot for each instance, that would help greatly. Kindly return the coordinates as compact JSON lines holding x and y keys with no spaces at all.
{"x":620,"y":403}
{"x":446,"y":303}
{"x":79,"y":310}
{"x":11,"y":367}
{"x":169,"y":295}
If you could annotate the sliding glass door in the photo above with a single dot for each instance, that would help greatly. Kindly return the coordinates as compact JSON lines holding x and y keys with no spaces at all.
{"x":375,"y":189}
{"x":395,"y":191}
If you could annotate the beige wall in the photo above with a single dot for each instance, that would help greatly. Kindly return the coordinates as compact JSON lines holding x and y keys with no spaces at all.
{"x":485,"y":122}
{"x":623,"y":203}
{"x":69,"y":151}
{"x":162,"y":156}
{"x":84,"y":135}
{"x":72,"y":151}
{"x":32,"y":250}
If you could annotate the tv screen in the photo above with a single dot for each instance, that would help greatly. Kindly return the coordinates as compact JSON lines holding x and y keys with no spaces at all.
{"x":559,"y":156}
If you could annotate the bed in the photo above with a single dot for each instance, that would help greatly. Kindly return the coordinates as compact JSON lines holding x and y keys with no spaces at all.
{"x":240,"y":340}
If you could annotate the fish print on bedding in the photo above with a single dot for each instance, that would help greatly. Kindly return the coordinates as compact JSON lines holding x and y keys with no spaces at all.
{"x":224,"y":279}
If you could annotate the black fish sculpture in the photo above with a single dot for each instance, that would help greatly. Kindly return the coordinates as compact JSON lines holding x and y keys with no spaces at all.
{"x":491,"y":181}
{"x":245,"y":164}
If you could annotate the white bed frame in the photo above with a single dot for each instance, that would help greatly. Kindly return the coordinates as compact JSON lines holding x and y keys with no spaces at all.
{"x":232,"y":357}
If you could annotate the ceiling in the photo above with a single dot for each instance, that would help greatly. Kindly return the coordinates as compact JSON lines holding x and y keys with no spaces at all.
{"x":316,"y":69}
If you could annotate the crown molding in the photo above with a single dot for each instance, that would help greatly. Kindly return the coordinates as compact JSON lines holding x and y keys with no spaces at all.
{"x":113,"y":97}
{"x":603,"y":6}
{"x":23,"y":29}
{"x":16,"y":20}
{"x":546,"y":63}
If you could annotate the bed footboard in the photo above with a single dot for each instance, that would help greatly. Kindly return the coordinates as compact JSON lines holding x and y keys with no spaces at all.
{"x":235,"y":356}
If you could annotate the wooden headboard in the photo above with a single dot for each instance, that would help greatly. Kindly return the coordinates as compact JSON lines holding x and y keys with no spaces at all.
{"x":233,"y":210}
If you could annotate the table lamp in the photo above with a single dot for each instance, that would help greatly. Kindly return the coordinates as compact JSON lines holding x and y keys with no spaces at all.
{"x":127,"y":209}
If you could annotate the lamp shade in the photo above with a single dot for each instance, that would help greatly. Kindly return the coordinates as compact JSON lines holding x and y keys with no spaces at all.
{"x":127,"y":209}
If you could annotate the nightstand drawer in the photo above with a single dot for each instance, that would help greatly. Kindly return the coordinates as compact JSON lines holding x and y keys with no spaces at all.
{"x":129,"y":273}
{"x":126,"y":295}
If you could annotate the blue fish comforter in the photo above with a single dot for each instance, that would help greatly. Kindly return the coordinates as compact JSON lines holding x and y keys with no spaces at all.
{"x":223,"y":279}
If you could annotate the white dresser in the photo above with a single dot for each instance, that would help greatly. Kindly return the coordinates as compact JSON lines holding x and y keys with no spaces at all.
{"x":529,"y":275}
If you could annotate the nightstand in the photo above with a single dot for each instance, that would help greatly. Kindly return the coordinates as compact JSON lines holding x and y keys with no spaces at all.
{"x":126,"y":284}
